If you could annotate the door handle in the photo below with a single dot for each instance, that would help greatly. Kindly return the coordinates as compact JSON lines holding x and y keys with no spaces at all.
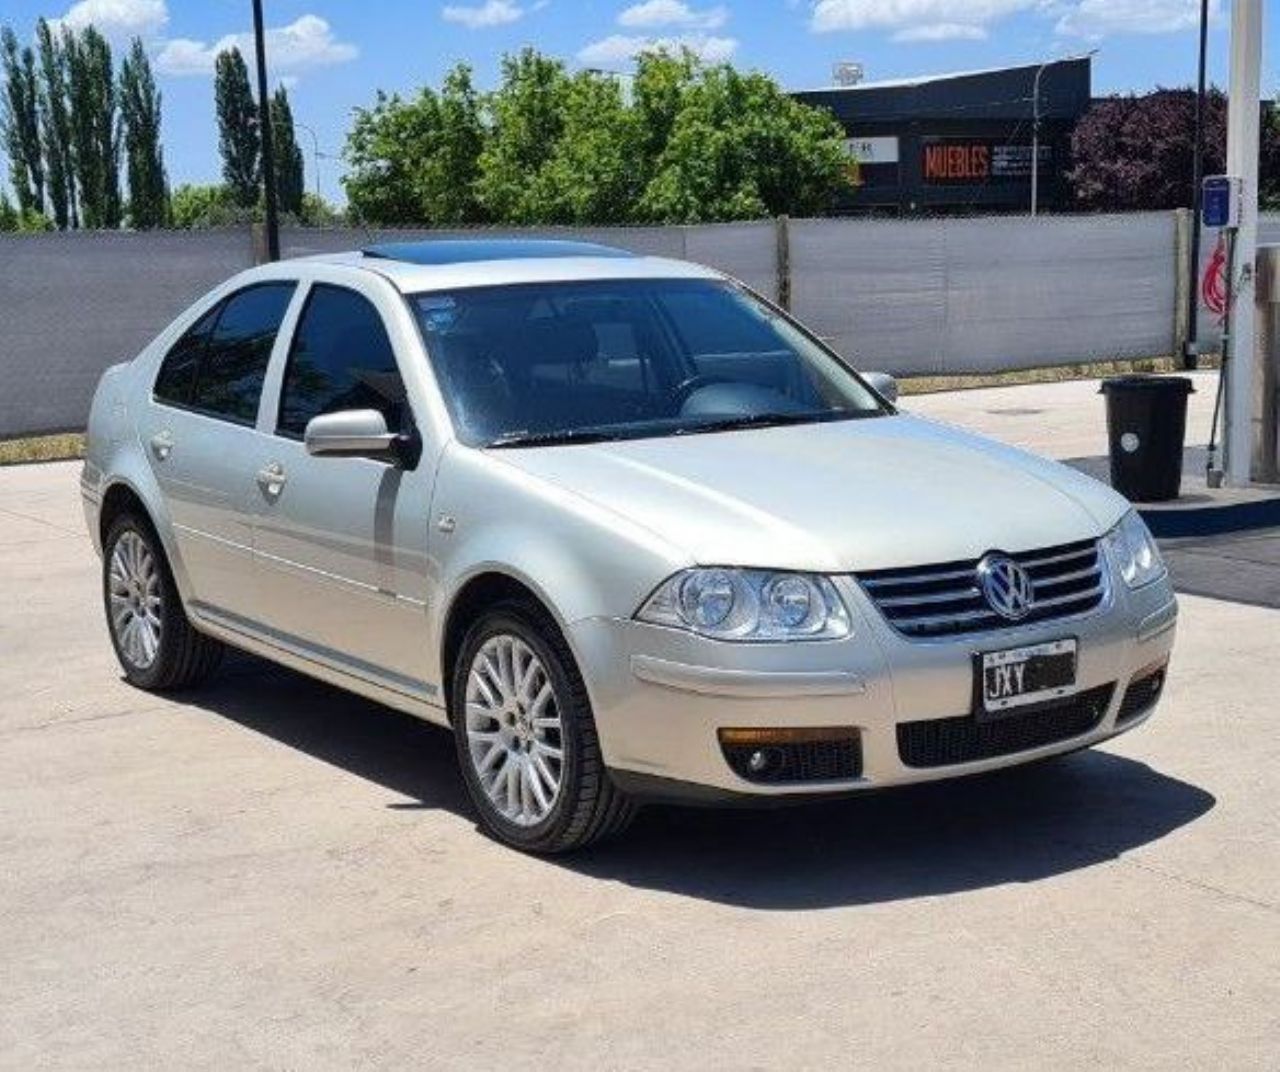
{"x":272,"y":479}
{"x":162,"y":445}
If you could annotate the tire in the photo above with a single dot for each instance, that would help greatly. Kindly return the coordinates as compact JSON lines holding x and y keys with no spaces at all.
{"x":502,"y":738}
{"x":162,"y":652}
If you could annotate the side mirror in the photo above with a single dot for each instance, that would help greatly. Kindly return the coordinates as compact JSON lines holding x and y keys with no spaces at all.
{"x":351,"y":433}
{"x":883,"y":383}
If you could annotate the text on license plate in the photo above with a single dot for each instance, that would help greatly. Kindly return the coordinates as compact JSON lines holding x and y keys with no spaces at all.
{"x":1021,"y":676}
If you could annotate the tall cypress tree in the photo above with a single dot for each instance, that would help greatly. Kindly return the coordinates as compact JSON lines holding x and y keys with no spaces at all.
{"x":55,"y":127}
{"x":239,"y":139}
{"x":144,"y":159}
{"x":20,"y":123}
{"x":290,"y":176}
{"x":94,"y":127}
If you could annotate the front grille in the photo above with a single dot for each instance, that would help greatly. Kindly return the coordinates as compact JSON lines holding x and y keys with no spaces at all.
{"x":923,"y":602}
{"x":1141,"y":695}
{"x":835,"y":760}
{"x":945,"y":742}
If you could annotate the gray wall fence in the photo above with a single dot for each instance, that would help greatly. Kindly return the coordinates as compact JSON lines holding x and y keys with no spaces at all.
{"x":938,"y":297}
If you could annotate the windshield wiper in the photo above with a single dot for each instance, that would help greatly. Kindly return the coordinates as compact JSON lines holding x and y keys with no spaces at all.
{"x":552,"y":439}
{"x":765,"y":420}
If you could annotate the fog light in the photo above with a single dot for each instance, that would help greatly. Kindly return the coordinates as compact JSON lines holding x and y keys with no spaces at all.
{"x":759,"y":762}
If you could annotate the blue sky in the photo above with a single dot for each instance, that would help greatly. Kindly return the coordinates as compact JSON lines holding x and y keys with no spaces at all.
{"x":334,"y":54}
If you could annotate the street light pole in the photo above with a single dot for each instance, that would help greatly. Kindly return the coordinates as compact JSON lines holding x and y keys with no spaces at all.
{"x":1035,"y":139}
{"x":268,"y":146}
{"x":1035,"y":123}
{"x":1190,"y":357}
{"x":315,"y":153}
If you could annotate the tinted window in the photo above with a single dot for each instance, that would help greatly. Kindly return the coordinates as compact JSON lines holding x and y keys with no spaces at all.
{"x":341,"y":358}
{"x":229,"y":382}
{"x":177,"y":374}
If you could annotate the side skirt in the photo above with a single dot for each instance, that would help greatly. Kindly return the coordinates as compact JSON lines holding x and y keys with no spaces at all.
{"x":413,"y":698}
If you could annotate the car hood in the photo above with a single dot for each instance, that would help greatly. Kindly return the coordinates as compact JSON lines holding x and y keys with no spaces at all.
{"x":846,"y":496}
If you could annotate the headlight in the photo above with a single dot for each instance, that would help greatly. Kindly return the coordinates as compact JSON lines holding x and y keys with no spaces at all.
{"x":1134,"y":552}
{"x":749,"y":605}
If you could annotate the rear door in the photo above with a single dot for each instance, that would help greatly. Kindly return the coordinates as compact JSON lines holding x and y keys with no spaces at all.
{"x":341,"y":543}
{"x":198,"y":432}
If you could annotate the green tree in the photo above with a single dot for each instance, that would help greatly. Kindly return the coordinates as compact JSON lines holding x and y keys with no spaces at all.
{"x":449,"y":193}
{"x":317,"y":212}
{"x":418,"y":160}
{"x":55,"y":127}
{"x":239,"y":139}
{"x":20,"y":122}
{"x":194,"y":206}
{"x":94,"y":127}
{"x":144,"y":158}
{"x":8,"y":214}
{"x":591,"y":175}
{"x":689,"y":143}
{"x":389,"y":148}
{"x":528,"y":116}
{"x":741,"y":148}
{"x":290,"y":174}
{"x":662,"y":79}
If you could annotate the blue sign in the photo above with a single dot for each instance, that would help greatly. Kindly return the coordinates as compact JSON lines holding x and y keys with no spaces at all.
{"x":1220,"y":205}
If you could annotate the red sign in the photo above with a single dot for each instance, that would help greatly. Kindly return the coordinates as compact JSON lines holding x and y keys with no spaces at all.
{"x":957,"y":162}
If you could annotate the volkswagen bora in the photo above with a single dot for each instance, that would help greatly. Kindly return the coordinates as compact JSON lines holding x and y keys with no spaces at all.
{"x":627,"y":529}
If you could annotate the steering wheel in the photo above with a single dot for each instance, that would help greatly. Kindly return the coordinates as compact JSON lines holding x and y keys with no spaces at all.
{"x":686,"y":388}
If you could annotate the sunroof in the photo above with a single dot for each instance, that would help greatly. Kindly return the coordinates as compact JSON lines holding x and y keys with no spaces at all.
{"x":471,"y":251}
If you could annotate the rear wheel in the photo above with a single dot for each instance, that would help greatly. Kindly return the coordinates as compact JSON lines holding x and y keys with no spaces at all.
{"x":157,"y":647}
{"x":526,"y":736}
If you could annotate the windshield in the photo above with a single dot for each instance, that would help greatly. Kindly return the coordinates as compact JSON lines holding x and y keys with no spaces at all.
{"x":548,"y":363}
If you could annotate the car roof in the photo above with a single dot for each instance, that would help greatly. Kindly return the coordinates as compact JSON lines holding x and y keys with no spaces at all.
{"x":455,"y":263}
{"x":470,"y":251}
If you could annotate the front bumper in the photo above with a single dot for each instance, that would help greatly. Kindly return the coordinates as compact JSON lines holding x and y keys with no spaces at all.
{"x":661,"y":695}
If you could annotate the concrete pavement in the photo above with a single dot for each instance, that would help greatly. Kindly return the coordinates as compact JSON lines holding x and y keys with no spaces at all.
{"x":272,"y":873}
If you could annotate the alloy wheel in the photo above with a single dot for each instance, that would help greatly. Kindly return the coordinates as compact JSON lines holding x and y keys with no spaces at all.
{"x":136,"y":599}
{"x":515,"y":737}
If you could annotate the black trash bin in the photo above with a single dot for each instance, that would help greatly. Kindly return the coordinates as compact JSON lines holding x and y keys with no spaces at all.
{"x":1147,"y":426}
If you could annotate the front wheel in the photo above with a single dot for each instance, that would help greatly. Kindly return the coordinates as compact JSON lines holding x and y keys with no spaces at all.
{"x":526,"y":736}
{"x":156,"y":644}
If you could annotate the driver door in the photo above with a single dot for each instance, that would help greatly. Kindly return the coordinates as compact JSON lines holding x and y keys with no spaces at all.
{"x":341,"y":543}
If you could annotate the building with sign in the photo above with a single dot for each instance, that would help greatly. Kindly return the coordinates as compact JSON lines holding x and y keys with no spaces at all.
{"x":959,"y":143}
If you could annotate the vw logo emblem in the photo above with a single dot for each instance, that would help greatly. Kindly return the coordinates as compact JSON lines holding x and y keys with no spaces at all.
{"x":1006,"y":587}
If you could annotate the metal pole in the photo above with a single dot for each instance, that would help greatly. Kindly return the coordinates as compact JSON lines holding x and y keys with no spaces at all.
{"x":1035,"y":140}
{"x":1035,"y":122}
{"x":315,"y":153}
{"x":268,"y":147}
{"x":1190,"y":356}
{"x":1243,"y":138}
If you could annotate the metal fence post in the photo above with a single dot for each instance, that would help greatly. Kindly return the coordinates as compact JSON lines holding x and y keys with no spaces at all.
{"x":782,"y":230}
{"x":1184,"y":274}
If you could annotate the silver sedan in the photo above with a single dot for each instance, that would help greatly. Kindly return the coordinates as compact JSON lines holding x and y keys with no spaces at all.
{"x":627,"y":529}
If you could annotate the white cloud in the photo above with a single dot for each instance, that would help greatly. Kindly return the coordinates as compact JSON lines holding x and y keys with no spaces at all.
{"x":1100,"y":18}
{"x":912,"y":15}
{"x":620,"y":49}
{"x":117,"y":18}
{"x":942,"y":31}
{"x":307,"y":42}
{"x":653,"y":14}
{"x":483,"y":16}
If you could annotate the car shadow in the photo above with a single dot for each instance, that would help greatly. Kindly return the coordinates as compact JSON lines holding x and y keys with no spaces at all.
{"x":1019,"y":825}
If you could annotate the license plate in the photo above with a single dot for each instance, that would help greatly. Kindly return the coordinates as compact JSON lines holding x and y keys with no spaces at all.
{"x":1020,"y":677}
